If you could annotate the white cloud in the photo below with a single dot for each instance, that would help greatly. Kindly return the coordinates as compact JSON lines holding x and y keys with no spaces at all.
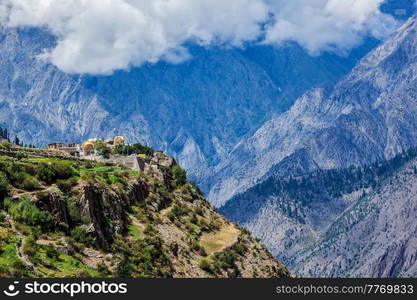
{"x":327,"y":25}
{"x":100,"y":36}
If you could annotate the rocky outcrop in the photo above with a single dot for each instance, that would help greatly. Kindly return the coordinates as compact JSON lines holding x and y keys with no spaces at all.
{"x":159,"y":167}
{"x":138,"y":192}
{"x":52,"y":200}
{"x":104,"y":211}
{"x":376,"y":237}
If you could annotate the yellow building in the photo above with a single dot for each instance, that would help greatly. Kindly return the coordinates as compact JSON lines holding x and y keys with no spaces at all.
{"x":119,"y":140}
{"x":88,"y":147}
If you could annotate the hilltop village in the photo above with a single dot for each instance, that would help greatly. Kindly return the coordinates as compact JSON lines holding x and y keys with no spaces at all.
{"x":115,"y":150}
{"x":92,"y":147}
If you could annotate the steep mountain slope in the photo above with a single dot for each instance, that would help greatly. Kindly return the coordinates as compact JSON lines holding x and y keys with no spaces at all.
{"x":356,"y":222}
{"x":376,"y":237}
{"x":369,"y":115}
{"x":64,"y":217}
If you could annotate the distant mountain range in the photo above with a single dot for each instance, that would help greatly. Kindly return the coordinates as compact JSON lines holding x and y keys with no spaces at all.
{"x":369,"y":116}
{"x":197,"y":111}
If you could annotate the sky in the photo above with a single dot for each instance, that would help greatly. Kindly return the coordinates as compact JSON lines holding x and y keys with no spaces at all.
{"x":102,"y":36}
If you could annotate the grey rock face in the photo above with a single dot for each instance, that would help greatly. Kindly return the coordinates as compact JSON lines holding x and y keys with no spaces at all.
{"x":369,"y":115}
{"x":375,"y":237}
{"x":356,"y":222}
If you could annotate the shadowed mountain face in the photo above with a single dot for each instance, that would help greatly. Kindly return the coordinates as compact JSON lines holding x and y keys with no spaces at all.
{"x":197,"y":111}
{"x":319,"y":228}
{"x":354,"y":222}
{"x":369,"y":115}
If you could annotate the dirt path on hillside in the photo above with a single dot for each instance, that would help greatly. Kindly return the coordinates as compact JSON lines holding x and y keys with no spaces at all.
{"x":218,"y":241}
{"x":19,"y":246}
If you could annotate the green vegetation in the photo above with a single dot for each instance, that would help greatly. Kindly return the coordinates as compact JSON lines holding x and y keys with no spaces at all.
{"x":133,"y":149}
{"x":179,"y":174}
{"x":148,"y":256}
{"x":4,"y":186}
{"x":51,"y":172}
{"x":102,"y":149}
{"x":24,"y":211}
{"x":10,"y":264}
{"x":81,"y":235}
{"x":224,"y":260}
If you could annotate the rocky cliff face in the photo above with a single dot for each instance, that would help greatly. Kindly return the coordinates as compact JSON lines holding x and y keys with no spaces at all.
{"x":356,"y":222}
{"x":375,"y":237}
{"x":369,"y":115}
{"x":66,"y":218}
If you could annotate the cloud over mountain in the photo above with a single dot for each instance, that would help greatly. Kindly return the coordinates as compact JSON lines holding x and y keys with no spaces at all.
{"x":327,"y":25}
{"x":100,"y":36}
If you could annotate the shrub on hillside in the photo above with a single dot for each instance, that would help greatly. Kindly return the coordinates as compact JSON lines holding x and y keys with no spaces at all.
{"x":74,"y":212}
{"x":29,"y":183}
{"x":51,"y":172}
{"x":21,"y":155}
{"x":205,"y":265}
{"x":66,"y":185}
{"x":81,"y":235}
{"x":29,"y":246}
{"x":51,"y":252}
{"x":132,"y":149}
{"x":4,"y":186}
{"x":24,"y":211}
{"x":124,"y":269}
{"x":179,"y":174}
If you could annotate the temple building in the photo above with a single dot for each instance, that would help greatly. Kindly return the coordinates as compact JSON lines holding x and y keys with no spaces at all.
{"x":71,"y":148}
{"x":88,"y":148}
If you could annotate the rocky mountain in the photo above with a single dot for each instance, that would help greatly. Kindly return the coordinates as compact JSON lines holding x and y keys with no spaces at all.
{"x":375,"y":237}
{"x":312,"y":209}
{"x":197,"y":111}
{"x":355,"y":222}
{"x":369,"y":115}
{"x":65,"y":217}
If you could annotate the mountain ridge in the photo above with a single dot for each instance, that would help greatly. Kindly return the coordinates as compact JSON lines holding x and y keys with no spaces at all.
{"x":356,"y":122}
{"x":321,"y":224}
